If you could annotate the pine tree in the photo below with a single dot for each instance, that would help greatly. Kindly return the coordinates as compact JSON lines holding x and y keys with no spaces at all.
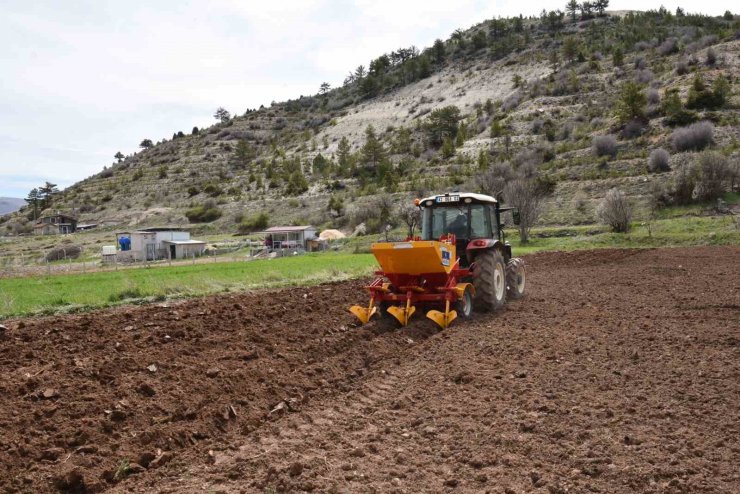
{"x":373,"y":151}
{"x":33,"y":200}
{"x":572,"y":9}
{"x":439,"y":51}
{"x":631,"y":103}
{"x":222,"y":115}
{"x":448,"y":148}
{"x":483,"y":159}
{"x":344,"y":158}
{"x":244,"y":153}
{"x":601,"y":6}
{"x":46,"y":194}
{"x":119,"y":156}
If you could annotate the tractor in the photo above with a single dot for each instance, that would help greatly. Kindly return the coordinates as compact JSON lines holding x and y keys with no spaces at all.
{"x":461,"y":262}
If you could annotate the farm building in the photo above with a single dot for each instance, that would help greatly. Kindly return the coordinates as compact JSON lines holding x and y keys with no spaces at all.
{"x":55,"y":224}
{"x":290,"y":237}
{"x":150,"y":244}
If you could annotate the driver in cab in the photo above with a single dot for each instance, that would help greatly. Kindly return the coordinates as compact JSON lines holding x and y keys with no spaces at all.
{"x":459,"y":226}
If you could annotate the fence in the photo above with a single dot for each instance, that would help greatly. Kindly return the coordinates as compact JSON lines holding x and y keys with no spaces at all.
{"x":18,"y":266}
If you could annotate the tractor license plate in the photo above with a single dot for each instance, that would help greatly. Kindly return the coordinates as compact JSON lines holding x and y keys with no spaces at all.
{"x":448,"y":199}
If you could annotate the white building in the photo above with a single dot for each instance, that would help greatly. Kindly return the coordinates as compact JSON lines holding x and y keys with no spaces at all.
{"x":159,"y":243}
{"x":290,"y":237}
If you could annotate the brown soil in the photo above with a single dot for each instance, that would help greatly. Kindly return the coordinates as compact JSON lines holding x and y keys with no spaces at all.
{"x":619,"y":373}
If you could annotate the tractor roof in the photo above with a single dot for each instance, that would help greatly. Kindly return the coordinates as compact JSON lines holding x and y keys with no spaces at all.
{"x":461,"y":197}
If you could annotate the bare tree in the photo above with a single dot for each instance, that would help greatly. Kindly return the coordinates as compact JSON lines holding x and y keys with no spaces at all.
{"x":493,"y":180}
{"x":615,"y":211}
{"x":411,"y":217}
{"x":526,"y":197}
{"x":714,"y":173}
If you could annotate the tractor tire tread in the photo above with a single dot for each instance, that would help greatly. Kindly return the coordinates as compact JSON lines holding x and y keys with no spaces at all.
{"x":512,"y":270}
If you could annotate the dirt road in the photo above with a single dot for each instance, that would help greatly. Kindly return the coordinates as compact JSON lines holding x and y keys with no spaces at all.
{"x":619,"y":373}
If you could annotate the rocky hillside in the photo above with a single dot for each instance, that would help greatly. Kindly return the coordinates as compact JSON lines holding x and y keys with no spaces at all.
{"x":569,"y":105}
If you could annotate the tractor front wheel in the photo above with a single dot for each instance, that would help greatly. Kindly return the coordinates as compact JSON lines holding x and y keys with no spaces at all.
{"x":489,"y":279}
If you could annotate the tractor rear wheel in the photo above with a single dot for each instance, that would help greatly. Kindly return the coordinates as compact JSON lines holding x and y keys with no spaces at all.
{"x":515,"y":278}
{"x":489,"y":279}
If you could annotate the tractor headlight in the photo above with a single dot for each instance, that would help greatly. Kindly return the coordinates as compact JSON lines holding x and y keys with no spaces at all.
{"x":468,"y":200}
{"x":429,"y":203}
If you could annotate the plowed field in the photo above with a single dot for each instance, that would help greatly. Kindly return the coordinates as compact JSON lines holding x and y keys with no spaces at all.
{"x":619,"y":373}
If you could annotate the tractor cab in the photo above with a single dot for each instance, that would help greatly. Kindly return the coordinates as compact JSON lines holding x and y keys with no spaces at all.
{"x":467,"y":216}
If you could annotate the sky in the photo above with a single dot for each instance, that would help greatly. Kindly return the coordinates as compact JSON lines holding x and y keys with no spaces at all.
{"x":82,"y":80}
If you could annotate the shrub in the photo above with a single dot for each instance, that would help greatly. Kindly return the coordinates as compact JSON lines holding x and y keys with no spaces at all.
{"x":644,"y":76}
{"x":714,"y":172}
{"x":213,"y":190}
{"x":615,"y":211}
{"x":694,"y":137}
{"x":193,"y":191}
{"x":653,"y":96}
{"x":668,"y":47}
{"x":711,"y":57}
{"x":700,"y":96}
{"x":684,"y":184}
{"x":658,"y":161}
{"x":605,"y":145}
{"x":66,"y":252}
{"x":682,"y":67}
{"x":511,"y":101}
{"x":633,"y":128}
{"x":537,"y":125}
{"x":254,"y":223}
{"x":204,"y":213}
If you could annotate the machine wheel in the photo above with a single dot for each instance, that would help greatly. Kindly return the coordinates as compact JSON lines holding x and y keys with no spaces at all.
{"x":489,"y":279}
{"x":515,"y":278}
{"x":464,"y":306}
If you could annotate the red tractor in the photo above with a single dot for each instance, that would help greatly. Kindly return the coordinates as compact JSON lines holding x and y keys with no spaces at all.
{"x":428,"y":271}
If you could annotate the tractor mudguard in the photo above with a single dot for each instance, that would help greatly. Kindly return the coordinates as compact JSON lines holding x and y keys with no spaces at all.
{"x":481,"y":244}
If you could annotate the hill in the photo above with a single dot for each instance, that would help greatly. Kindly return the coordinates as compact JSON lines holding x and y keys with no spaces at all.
{"x":10,"y":204}
{"x":571,"y":106}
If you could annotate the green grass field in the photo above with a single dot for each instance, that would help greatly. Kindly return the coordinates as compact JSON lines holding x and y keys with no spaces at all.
{"x":28,"y":295}
{"x":64,"y":293}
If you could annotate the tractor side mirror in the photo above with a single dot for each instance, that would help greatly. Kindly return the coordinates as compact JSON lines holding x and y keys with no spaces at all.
{"x":515,"y":217}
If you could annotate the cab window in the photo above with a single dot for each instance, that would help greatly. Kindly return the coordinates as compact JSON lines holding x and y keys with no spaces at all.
{"x":480,"y":221}
{"x":438,"y":221}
